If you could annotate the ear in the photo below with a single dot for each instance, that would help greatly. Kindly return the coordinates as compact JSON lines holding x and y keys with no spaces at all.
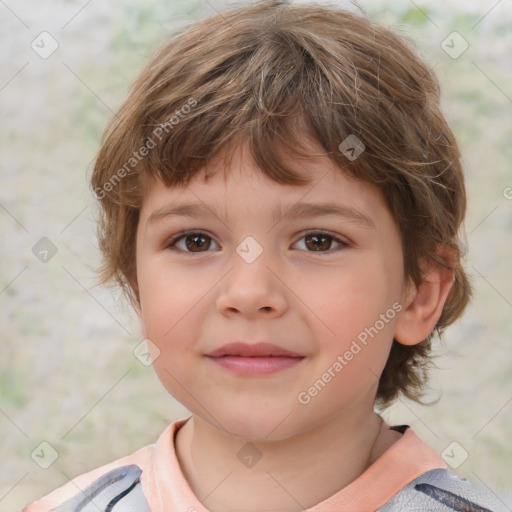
{"x":423,"y":304}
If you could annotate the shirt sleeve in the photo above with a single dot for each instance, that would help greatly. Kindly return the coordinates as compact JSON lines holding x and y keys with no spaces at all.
{"x":120,"y":487}
{"x":442,"y":491}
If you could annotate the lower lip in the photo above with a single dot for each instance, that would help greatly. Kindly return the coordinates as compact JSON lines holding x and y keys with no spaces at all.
{"x":255,"y":365}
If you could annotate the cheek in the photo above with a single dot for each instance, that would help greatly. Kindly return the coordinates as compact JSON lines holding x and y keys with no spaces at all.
{"x":169,"y":324}
{"x":358,"y":317}
{"x":357,"y":296}
{"x":171,"y":312}
{"x":166,"y":295}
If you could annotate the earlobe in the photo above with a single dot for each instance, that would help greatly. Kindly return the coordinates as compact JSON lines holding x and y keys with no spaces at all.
{"x":424,"y":304}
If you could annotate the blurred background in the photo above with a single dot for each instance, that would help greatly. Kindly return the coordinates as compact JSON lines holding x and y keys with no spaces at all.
{"x":73,"y":395}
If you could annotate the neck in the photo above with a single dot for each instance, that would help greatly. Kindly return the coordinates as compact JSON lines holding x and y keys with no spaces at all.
{"x":289,"y":475}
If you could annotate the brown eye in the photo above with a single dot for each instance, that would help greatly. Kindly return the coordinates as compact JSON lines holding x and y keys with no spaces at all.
{"x":318,"y":241}
{"x":194,"y":242}
{"x":197,"y":241}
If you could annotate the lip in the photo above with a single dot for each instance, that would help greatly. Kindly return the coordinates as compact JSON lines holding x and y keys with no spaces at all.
{"x":254,"y":359}
{"x":261,"y":349}
{"x":254,"y":366}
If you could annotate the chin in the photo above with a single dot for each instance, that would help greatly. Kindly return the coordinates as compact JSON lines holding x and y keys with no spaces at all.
{"x":259,"y":427}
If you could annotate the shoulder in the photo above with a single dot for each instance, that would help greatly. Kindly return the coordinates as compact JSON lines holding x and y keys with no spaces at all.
{"x":440,"y":490}
{"x":120,"y":487}
{"x":116,"y":476}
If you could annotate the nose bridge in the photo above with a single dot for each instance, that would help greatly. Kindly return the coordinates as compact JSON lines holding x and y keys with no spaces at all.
{"x":252,"y":285}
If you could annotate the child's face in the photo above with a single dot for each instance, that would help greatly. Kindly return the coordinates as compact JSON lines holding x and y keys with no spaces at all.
{"x":208,"y":292}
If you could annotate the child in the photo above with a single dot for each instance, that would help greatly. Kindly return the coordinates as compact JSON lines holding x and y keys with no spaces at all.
{"x":303,"y":151}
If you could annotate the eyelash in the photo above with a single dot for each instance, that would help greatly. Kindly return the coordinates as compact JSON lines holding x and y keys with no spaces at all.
{"x":184,"y":234}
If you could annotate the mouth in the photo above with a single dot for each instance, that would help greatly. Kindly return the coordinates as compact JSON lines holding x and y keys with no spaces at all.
{"x":262,"y":349}
{"x":256,"y":359}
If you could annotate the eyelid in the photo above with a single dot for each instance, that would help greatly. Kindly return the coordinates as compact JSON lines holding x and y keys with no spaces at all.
{"x":342,"y":240}
{"x":169,"y":243}
{"x":336,"y":236}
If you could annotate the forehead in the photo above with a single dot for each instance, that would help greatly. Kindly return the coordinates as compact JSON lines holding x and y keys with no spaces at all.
{"x":232,"y":184}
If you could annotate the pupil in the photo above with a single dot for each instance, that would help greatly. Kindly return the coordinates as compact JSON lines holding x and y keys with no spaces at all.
{"x":320,"y":246}
{"x":195,"y":243}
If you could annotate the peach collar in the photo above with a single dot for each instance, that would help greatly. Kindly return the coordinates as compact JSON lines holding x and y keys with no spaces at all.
{"x":402,"y":463}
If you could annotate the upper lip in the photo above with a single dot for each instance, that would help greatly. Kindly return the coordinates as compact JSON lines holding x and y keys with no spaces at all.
{"x":260,"y":349}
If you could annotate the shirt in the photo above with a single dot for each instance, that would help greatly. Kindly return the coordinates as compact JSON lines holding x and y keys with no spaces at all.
{"x":154,"y":475}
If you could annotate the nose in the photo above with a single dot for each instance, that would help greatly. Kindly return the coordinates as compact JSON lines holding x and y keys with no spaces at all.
{"x":253,"y":289}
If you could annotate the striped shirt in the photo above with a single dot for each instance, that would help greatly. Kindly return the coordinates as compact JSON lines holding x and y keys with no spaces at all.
{"x":409,"y":476}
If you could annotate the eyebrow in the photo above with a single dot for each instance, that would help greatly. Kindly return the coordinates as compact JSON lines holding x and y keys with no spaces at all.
{"x":297,"y":210}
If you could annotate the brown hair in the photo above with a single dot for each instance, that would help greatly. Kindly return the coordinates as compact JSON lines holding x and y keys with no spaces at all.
{"x":270,"y":73}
